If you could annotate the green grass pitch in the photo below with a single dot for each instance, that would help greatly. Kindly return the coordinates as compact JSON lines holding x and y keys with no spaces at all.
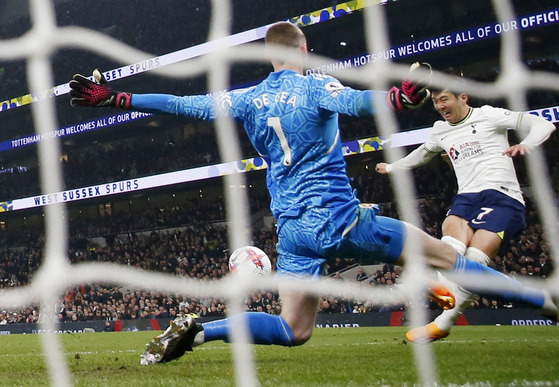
{"x":484,"y":356}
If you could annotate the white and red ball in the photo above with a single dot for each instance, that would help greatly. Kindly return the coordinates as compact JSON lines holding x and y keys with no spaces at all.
{"x":250,"y":260}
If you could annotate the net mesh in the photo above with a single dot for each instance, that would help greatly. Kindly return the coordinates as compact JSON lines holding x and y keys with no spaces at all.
{"x":214,"y":59}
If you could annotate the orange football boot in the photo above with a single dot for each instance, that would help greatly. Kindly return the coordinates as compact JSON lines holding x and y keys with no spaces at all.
{"x":426,"y":334}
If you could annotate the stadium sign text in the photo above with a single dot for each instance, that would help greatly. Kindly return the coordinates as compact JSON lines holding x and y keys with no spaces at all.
{"x":448,"y":40}
{"x":532,"y":322}
{"x":551,"y":114}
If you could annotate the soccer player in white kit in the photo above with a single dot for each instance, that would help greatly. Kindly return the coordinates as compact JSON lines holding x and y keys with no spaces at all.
{"x":489,"y":206}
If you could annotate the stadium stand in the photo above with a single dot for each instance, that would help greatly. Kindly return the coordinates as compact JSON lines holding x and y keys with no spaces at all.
{"x":180,"y":229}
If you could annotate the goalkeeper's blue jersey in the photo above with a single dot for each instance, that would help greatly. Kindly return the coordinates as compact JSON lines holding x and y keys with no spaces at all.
{"x":292,"y":120}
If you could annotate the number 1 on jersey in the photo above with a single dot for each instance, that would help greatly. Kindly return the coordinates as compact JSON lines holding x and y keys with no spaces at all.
{"x":275,"y":123}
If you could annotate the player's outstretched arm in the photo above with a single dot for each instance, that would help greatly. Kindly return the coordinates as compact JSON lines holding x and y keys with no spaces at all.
{"x":381,"y":168}
{"x":538,"y":130}
{"x":98,"y":93}
{"x":85,"y":92}
{"x":413,"y":93}
{"x":416,"y":158}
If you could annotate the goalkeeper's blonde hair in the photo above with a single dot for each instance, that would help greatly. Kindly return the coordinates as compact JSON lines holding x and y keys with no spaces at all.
{"x":285,"y":34}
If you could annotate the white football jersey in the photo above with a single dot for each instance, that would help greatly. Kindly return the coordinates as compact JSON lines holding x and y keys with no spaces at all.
{"x":475,"y":147}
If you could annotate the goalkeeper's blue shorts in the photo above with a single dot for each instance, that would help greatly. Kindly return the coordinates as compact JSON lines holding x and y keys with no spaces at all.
{"x":318,"y":234}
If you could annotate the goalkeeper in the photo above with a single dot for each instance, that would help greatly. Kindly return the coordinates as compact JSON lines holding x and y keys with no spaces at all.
{"x":293,"y":120}
{"x":489,"y":207}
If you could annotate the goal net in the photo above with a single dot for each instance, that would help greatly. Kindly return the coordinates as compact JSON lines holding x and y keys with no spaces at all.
{"x":506,"y":54}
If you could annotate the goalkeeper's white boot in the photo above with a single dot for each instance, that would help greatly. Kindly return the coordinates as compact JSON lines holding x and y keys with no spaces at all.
{"x":173,"y":343}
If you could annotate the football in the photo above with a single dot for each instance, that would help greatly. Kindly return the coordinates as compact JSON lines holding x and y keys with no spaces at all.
{"x":250,"y":260}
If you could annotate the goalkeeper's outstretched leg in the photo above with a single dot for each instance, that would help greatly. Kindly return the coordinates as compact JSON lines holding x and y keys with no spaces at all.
{"x":184,"y":332}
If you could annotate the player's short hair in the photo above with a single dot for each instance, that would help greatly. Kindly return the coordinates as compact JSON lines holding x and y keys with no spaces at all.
{"x":459,"y":77}
{"x":285,"y":34}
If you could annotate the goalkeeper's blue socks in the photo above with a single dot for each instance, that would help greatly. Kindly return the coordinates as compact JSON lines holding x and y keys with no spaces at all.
{"x":515,"y":292}
{"x":263,"y":328}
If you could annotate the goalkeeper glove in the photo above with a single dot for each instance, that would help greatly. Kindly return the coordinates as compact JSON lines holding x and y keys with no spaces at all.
{"x":413,"y":94}
{"x":99,"y":94}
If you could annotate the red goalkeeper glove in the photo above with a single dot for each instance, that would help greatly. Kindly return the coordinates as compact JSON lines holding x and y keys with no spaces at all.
{"x":413,"y":94}
{"x":98,"y":94}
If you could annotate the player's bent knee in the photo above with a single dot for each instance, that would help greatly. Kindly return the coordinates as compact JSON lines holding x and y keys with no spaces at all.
{"x":301,"y":339}
{"x":301,"y":334}
{"x":300,"y":328}
{"x":477,"y":255}
{"x":455,"y":243}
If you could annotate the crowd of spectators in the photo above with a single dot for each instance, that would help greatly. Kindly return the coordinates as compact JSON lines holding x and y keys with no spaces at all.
{"x":199,"y":251}
{"x":193,"y":252}
{"x":172,"y":240}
